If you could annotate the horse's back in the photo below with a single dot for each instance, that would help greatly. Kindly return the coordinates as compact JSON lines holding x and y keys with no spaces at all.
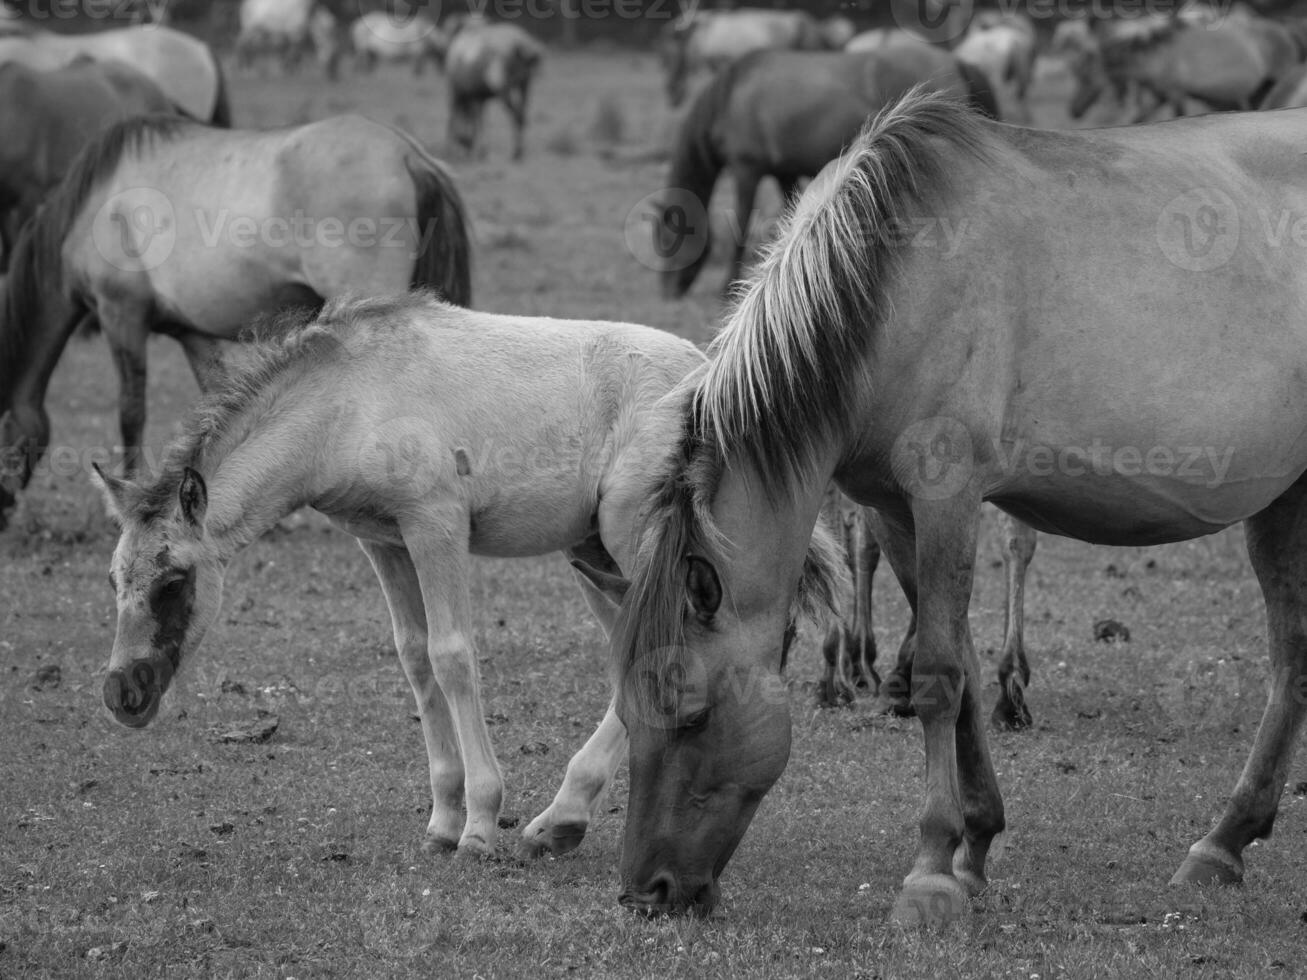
{"x":484,"y":59}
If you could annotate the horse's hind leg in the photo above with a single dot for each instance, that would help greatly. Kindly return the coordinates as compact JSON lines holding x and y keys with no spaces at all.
{"x":1014,"y":670}
{"x":399,"y":583}
{"x":126,"y":328}
{"x":438,"y":542}
{"x":1277,"y":545}
{"x":561,"y":827}
{"x":849,"y":648}
{"x":205,"y":357}
{"x":900,"y":552}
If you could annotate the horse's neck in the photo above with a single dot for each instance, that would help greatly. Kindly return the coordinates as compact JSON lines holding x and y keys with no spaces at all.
{"x":696,"y":161}
{"x":269,"y":471}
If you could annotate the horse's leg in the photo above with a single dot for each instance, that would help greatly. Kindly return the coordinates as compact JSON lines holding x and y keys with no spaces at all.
{"x":438,"y":543}
{"x":563,"y":824}
{"x":515,"y":100}
{"x":205,"y":357}
{"x":849,"y":648}
{"x":1013,"y":669}
{"x":399,"y":583}
{"x":963,"y":810}
{"x":126,"y":328}
{"x":901,"y":553}
{"x":1277,"y":545}
{"x":837,"y":687}
{"x":789,"y":190}
{"x":746,"y":188}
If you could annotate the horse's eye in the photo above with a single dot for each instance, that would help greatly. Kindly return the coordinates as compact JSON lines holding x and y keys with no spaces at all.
{"x":173,"y":588}
{"x":696,"y":722}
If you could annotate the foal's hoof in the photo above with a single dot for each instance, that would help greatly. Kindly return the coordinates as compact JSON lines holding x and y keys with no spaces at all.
{"x":439,"y":845}
{"x":554,"y":840}
{"x":1208,"y":869}
{"x":930,"y":900}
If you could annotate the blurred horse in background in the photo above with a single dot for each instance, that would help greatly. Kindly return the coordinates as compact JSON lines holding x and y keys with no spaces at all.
{"x":47,"y":117}
{"x":1003,"y":47}
{"x":377,"y":36}
{"x":182,"y":66}
{"x":165,"y":225}
{"x":784,"y":114}
{"x":486,"y":61}
{"x":287,"y":32}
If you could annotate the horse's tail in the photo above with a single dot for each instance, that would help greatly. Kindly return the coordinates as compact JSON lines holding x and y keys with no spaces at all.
{"x":445,"y":260}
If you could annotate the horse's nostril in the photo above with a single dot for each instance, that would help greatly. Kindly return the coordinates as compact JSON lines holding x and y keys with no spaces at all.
{"x":143,"y":675}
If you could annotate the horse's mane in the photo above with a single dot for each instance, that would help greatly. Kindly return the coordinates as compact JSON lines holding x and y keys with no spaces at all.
{"x":275,"y":346}
{"x":36,"y":266}
{"x":787,"y":366}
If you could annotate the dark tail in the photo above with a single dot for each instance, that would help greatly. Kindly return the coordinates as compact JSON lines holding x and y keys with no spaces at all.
{"x":445,"y":263}
{"x":221,"y":116}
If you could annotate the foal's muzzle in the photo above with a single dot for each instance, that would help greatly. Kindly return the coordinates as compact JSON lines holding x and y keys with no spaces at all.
{"x":133,"y":694}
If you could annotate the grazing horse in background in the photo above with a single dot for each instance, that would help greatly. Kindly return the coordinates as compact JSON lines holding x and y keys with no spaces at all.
{"x":274,"y":29}
{"x":376,"y":36}
{"x":47,"y":117}
{"x":784,"y":114}
{"x":926,"y":384}
{"x":492,"y":435}
{"x":1229,"y":65}
{"x":1003,"y":47}
{"x":184,"y":67}
{"x":165,"y":225}
{"x":487,"y":61}
{"x":714,"y":39}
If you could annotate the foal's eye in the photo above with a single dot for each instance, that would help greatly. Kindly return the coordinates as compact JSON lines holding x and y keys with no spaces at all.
{"x":173,"y":588}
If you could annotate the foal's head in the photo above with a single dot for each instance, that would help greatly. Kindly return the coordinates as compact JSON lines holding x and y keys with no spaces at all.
{"x":168,"y":579}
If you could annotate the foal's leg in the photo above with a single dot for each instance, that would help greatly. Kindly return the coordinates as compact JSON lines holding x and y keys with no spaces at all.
{"x":561,"y":827}
{"x":126,"y":327}
{"x":963,"y":810}
{"x":1014,"y":670}
{"x":399,"y":582}
{"x":438,"y":543}
{"x":1277,"y":545}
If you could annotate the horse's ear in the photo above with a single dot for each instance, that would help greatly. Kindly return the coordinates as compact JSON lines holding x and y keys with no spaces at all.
{"x":612,"y":586}
{"x":116,"y":492}
{"x":194,"y":497}
{"x":702,"y":586}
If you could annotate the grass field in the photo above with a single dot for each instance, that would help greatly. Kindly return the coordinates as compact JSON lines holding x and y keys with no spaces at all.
{"x":173,"y":853}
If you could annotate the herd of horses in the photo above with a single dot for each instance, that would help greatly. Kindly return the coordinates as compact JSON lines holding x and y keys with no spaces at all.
{"x":706,"y":501}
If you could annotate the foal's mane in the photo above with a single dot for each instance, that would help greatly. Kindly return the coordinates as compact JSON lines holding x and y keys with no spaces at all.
{"x":275,"y":347}
{"x":36,"y":266}
{"x":786,"y":369}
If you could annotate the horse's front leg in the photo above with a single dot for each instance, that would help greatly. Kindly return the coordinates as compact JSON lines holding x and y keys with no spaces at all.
{"x":438,"y":543}
{"x":1277,"y":546}
{"x":204,"y":354}
{"x":900,"y":550}
{"x":515,"y":101}
{"x":126,"y":327}
{"x":746,"y":188}
{"x":1014,"y":670}
{"x":399,"y":583}
{"x":963,"y":810}
{"x":561,"y":827}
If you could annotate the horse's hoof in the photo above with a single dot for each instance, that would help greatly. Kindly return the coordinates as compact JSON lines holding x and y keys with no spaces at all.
{"x":1207,"y":869}
{"x":1009,"y":717}
{"x":473,"y":849}
{"x":930,"y":900}
{"x":900,"y":709}
{"x":972,"y":882}
{"x":551,"y":840}
{"x":439,"y":845}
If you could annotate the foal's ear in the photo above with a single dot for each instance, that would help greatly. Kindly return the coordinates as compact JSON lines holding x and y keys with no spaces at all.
{"x":702,"y":586}
{"x":612,"y":586}
{"x":115,"y":489}
{"x":193,"y":496}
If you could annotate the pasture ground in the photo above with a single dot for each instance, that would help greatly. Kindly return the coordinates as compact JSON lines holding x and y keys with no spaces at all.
{"x":171,"y":853}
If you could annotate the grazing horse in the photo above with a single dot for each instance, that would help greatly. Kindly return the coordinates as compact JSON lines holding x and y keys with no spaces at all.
{"x":170,"y":226}
{"x":376,"y":36}
{"x":714,"y":39}
{"x":181,"y":65}
{"x":926,"y":384}
{"x":1228,"y":65}
{"x":274,"y":29}
{"x":429,"y":433}
{"x":1003,"y":47}
{"x":487,"y":61}
{"x":49,"y":116}
{"x":783,"y":114}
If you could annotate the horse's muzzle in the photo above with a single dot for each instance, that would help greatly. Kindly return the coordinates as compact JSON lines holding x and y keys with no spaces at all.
{"x":663,"y":896}
{"x":133,"y":695}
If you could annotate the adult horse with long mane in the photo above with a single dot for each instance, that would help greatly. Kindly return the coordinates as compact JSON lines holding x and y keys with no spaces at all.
{"x":169,"y":226}
{"x":49,"y":116}
{"x":783,"y":114}
{"x":925,"y":384}
{"x":429,"y":433}
{"x":181,"y":65}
